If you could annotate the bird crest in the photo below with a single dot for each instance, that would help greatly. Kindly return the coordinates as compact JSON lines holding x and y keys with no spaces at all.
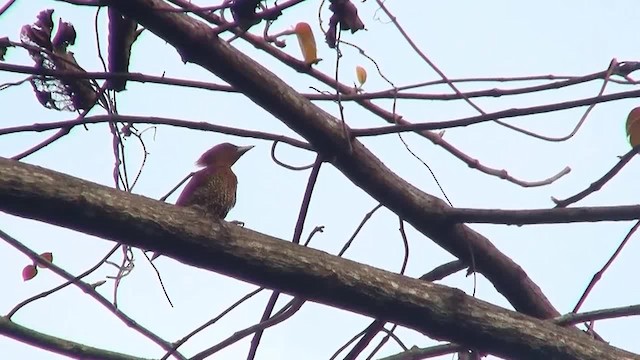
{"x":222,"y":154}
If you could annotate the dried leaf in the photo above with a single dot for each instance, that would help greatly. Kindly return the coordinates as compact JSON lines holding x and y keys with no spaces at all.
{"x":37,"y":37}
{"x":65,"y":93}
{"x":45,"y":20}
{"x":345,"y":14}
{"x":80,"y":91}
{"x":307,"y":43}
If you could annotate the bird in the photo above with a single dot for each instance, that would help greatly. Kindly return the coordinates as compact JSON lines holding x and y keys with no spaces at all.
{"x":212,"y":190}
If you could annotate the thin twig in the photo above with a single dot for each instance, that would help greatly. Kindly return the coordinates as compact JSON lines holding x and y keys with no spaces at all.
{"x":63,"y":285}
{"x":159,"y":277}
{"x":443,"y":271}
{"x":364,"y":220}
{"x":405,"y":243}
{"x":164,"y":198}
{"x":513,"y":112}
{"x":317,"y":229}
{"x":180,"y":342}
{"x":385,"y":339}
{"x":613,"y":65}
{"x":286,"y":59}
{"x":403,"y":267}
{"x":544,"y":216}
{"x":145,"y":154}
{"x":602,"y":314}
{"x":433,"y":174}
{"x":64,"y":130}
{"x":326,"y":96}
{"x":6,"y":6}
{"x":345,"y":129}
{"x":286,"y":166}
{"x":598,"y":184}
{"x":193,"y":125}
{"x":346,"y":345}
{"x":376,"y":326}
{"x":599,"y":274}
{"x":297,"y":233}
{"x":91,"y":291}
{"x":293,"y":307}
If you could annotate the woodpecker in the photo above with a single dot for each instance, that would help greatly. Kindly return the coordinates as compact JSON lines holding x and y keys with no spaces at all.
{"x":212,"y":190}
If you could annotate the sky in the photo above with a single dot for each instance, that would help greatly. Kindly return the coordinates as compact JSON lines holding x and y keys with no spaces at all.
{"x":465,"y":39}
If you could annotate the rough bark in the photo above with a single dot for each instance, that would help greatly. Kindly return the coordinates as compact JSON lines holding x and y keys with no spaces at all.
{"x":437,"y":311}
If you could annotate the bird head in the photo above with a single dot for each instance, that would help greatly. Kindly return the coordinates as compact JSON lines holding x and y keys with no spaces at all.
{"x":224,"y":154}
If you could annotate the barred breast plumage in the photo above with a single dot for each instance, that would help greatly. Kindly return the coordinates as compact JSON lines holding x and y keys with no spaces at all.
{"x":215,"y":193}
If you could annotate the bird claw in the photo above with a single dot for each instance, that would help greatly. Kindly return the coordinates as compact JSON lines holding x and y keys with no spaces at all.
{"x":236,"y":222}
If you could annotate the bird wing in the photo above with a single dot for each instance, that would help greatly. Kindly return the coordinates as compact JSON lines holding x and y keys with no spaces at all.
{"x":194,"y":183}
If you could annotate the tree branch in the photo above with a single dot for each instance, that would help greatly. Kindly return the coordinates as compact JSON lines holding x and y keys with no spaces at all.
{"x":545,"y":216}
{"x":389,"y":116}
{"x":502,"y":114}
{"x":154,"y":120}
{"x":435,"y":310}
{"x":196,"y":42}
{"x":58,"y":345}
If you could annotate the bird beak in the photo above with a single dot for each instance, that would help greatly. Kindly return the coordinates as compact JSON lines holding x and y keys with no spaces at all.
{"x":243,"y":149}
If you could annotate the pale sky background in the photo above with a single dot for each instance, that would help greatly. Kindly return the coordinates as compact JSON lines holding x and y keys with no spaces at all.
{"x":466,"y":39}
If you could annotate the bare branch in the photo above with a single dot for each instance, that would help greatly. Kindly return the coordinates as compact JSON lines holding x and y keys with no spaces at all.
{"x":129,"y":119}
{"x":573,"y":318}
{"x":348,"y":96}
{"x":599,"y":274}
{"x":612,"y":67}
{"x":286,"y":166}
{"x":388,"y":116}
{"x":435,"y":310}
{"x":180,"y":342}
{"x":364,"y":220}
{"x":58,"y":345}
{"x":297,"y":234}
{"x":294,"y":306}
{"x":325,"y":133}
{"x":545,"y":216}
{"x":6,"y":6}
{"x":540,"y":109}
{"x":598,"y":184}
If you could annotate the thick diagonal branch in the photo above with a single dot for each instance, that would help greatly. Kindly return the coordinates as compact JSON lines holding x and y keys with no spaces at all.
{"x":437,"y":311}
{"x":196,"y":42}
